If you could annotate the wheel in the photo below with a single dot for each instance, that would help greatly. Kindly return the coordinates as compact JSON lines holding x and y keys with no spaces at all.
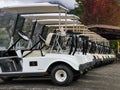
{"x":76,"y":78}
{"x":7,"y":79}
{"x":62,"y":75}
{"x":77,"y":75}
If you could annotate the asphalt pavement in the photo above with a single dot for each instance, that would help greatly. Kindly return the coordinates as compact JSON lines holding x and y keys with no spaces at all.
{"x":102,"y":78}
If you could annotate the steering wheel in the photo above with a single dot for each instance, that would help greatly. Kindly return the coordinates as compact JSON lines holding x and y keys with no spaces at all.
{"x":23,"y":36}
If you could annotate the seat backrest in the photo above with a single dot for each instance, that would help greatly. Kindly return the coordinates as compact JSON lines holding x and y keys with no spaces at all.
{"x":35,"y":53}
{"x":50,"y":39}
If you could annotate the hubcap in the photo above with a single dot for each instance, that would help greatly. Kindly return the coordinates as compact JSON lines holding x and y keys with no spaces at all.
{"x":61,"y":75}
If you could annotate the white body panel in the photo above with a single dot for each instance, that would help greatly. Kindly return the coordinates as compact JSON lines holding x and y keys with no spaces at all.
{"x":90,"y":57}
{"x":47,"y":60}
{"x":101,"y":56}
{"x":82,"y":58}
{"x":95,"y":55}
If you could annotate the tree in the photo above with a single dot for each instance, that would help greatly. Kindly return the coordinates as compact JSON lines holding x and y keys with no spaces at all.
{"x":79,"y":10}
{"x":101,"y":12}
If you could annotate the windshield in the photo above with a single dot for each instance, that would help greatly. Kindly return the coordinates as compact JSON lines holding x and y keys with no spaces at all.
{"x":6,"y":28}
{"x":9,"y":31}
{"x":4,"y":38}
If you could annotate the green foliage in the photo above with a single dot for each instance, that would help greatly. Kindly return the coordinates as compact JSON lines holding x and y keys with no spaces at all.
{"x":114,"y":45}
{"x":79,"y":10}
{"x":99,"y":11}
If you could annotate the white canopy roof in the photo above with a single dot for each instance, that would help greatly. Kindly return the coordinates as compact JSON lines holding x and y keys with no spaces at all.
{"x":68,"y":25}
{"x":69,"y":4}
{"x":33,"y":8}
{"x":50,"y":16}
{"x":55,"y":21}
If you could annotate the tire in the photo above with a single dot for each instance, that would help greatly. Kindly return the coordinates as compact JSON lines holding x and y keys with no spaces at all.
{"x":77,"y":75}
{"x":62,"y":75}
{"x":76,"y":78}
{"x":7,"y":79}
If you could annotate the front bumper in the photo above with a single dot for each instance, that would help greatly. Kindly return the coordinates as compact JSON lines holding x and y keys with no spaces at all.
{"x":84,"y":67}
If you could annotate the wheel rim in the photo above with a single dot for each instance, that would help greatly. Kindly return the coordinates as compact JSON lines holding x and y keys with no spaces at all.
{"x":61,"y":75}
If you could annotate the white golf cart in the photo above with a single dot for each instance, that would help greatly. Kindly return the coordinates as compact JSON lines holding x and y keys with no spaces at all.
{"x":63,"y":68}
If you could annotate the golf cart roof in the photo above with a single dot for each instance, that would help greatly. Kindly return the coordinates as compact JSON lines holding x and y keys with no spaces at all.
{"x":33,"y":8}
{"x":55,"y":21}
{"x":51,"y":16}
{"x":68,"y":25}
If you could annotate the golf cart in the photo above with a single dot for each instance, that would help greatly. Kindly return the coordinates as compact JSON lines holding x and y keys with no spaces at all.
{"x":14,"y":63}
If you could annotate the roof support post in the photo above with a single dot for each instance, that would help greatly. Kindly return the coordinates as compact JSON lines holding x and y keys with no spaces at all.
{"x":14,"y":30}
{"x":65,"y":20}
{"x":74,"y":24}
{"x":31,"y":36}
{"x":59,"y":18}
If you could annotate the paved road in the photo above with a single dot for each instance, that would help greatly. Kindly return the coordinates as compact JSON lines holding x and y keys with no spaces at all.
{"x":103,"y":78}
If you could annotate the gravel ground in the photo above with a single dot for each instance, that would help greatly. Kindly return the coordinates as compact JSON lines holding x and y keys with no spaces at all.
{"x":102,"y":78}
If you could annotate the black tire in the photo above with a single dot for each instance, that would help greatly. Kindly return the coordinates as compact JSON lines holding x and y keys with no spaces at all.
{"x":7,"y":79}
{"x":77,"y":75}
{"x":76,"y":78}
{"x":62,"y":72}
